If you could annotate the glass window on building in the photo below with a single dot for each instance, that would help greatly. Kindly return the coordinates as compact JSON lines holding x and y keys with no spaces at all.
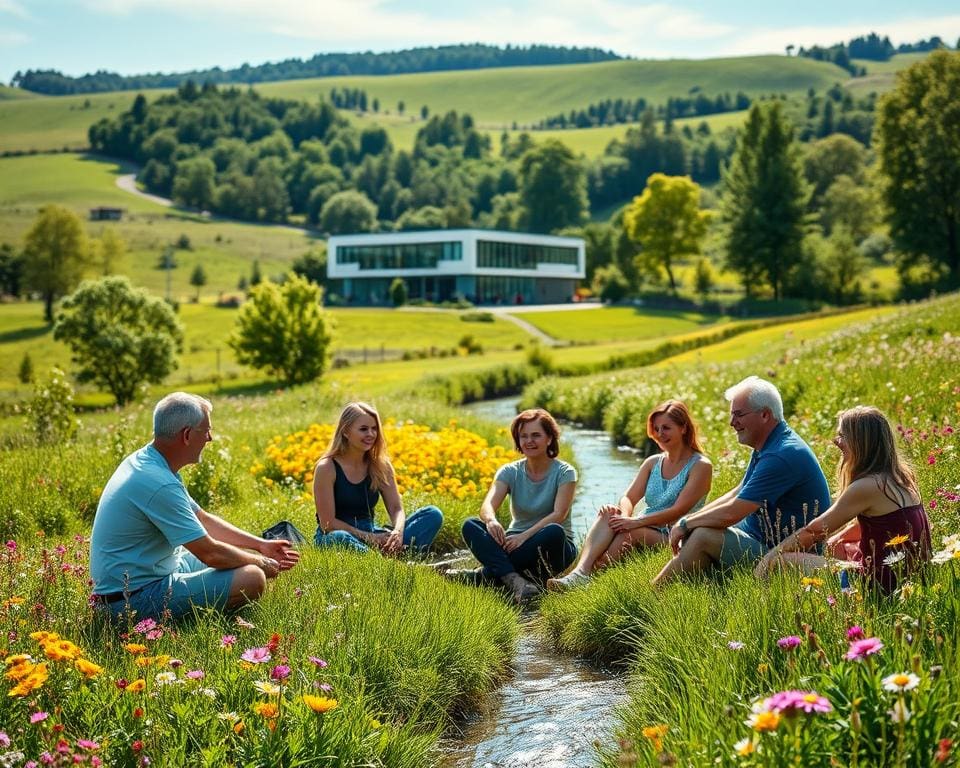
{"x":500,"y":255}
{"x":399,"y":256}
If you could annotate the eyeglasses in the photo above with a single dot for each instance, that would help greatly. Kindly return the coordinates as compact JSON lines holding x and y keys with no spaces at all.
{"x":737,"y":415}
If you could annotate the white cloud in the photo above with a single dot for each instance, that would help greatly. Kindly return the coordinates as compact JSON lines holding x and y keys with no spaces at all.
{"x":904,"y":30}
{"x":14,"y":9}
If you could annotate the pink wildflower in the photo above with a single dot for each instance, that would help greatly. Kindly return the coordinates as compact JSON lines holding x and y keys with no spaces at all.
{"x":4,"y":739}
{"x":786,"y":702}
{"x":855,"y":633}
{"x":145,"y":626}
{"x":38,"y":717}
{"x":831,"y":600}
{"x":317,"y":661}
{"x":860,"y":649}
{"x":789,"y":642}
{"x":196,"y":674}
{"x":87,"y":744}
{"x":256,"y":655}
{"x":226,"y":641}
{"x":280,"y":672}
{"x":735,"y":645}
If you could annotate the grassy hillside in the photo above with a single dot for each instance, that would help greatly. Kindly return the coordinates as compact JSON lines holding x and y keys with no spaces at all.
{"x":226,"y":249}
{"x":497,"y":98}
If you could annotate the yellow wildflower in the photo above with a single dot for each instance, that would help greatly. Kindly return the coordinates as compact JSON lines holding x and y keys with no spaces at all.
{"x":321,"y":704}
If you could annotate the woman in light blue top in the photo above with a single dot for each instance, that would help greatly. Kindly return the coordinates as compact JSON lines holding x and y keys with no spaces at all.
{"x":671,"y":484}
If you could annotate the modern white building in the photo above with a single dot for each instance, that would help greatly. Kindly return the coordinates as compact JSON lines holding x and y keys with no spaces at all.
{"x":482,"y":266}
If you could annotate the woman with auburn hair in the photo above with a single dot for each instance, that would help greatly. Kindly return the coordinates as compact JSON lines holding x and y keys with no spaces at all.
{"x":671,"y":483}
{"x":879,"y":508}
{"x":349,"y":480}
{"x":539,"y":540}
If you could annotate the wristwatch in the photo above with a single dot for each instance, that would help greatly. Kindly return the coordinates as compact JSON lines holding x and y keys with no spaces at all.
{"x":682,"y":523}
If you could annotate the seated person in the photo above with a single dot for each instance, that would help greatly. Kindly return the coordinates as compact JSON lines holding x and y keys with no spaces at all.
{"x":879,"y":504}
{"x":348,"y":481}
{"x":153,"y":551}
{"x":539,"y":541}
{"x":782,"y":489}
{"x":671,"y":484}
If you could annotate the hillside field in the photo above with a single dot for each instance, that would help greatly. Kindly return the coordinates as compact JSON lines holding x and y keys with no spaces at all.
{"x":497,"y":98}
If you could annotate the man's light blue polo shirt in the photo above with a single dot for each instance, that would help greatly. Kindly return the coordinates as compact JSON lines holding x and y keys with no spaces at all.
{"x":144,"y":515}
{"x":782,"y":477}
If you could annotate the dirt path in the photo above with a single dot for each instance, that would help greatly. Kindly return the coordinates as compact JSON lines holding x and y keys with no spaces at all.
{"x":128,"y":183}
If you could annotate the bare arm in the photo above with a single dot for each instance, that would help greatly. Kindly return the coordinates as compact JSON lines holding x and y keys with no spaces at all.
{"x":324,"y":475}
{"x":222,"y":556}
{"x":220,"y":531}
{"x":631,"y":497}
{"x":855,"y":499}
{"x":561,"y":508}
{"x":488,"y":510}
{"x":696,"y":487}
{"x":394,"y":505}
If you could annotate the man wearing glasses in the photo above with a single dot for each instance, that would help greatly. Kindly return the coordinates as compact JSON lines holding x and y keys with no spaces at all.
{"x":154,"y":552}
{"x":781,"y":491}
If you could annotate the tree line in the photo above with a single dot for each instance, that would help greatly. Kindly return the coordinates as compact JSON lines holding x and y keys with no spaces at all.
{"x":424,"y":59}
{"x":871,"y":47}
{"x":621,"y":110}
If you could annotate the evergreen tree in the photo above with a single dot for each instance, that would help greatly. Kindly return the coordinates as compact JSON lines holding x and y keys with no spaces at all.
{"x":198,"y":279}
{"x":553,"y":187}
{"x":764,"y":200}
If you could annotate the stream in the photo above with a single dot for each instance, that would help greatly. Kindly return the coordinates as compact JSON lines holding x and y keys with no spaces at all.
{"x":555,"y":707}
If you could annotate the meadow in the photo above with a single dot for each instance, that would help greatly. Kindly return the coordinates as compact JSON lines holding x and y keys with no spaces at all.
{"x":707,"y":659}
{"x":403,"y":651}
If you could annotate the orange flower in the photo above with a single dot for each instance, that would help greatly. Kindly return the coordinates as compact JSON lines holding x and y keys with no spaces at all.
{"x":137,"y":685}
{"x":238,"y":727}
{"x":655,"y":733}
{"x":319,"y":704}
{"x":135,"y":648}
{"x":266,"y":709}
{"x":87,"y":668}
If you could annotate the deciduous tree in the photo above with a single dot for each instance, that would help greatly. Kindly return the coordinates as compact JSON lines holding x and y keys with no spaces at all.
{"x":56,"y":253}
{"x":198,"y":279}
{"x":284,"y":330}
{"x":553,"y":187}
{"x":347,"y":212}
{"x":120,"y":336}
{"x":667,"y":223}
{"x":918,"y":145}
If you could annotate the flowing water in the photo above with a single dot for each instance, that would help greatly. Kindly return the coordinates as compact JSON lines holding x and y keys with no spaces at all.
{"x":554,"y":708}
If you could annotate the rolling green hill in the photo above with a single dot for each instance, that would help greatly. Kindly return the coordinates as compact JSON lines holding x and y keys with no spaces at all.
{"x":497,"y":98}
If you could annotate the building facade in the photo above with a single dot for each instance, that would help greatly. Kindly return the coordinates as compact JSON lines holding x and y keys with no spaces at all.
{"x":482,"y":266}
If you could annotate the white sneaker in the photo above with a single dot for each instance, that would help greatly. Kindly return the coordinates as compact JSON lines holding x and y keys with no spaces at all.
{"x":571,"y":580}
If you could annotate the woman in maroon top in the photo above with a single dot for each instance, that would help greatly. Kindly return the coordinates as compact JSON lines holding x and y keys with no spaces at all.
{"x":878,"y":511}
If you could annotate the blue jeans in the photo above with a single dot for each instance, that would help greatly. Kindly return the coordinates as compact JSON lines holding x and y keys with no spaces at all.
{"x":192,"y":585}
{"x":419,"y":531}
{"x":545,"y":554}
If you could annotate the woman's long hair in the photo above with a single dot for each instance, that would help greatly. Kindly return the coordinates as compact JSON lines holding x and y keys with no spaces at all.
{"x":872,"y":449}
{"x":679,"y":414}
{"x":377,"y":459}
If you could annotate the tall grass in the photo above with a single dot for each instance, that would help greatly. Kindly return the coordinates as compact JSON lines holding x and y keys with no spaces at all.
{"x":398,"y":649}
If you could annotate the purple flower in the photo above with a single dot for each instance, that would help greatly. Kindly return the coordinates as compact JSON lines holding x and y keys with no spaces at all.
{"x":323,"y":686}
{"x":735,"y":645}
{"x":280,"y":672}
{"x":256,"y":655}
{"x":196,"y":674}
{"x":831,"y":600}
{"x":860,"y":649}
{"x":787,"y":702}
{"x":38,"y":717}
{"x":154,"y":634}
{"x":227,"y":641}
{"x":318,"y":661}
{"x":855,"y":633}
{"x":789,"y":642}
{"x":175,"y":663}
{"x":4,"y":739}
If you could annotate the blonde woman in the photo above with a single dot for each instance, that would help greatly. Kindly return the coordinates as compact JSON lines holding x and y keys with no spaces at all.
{"x":879,"y":508}
{"x":348,"y":481}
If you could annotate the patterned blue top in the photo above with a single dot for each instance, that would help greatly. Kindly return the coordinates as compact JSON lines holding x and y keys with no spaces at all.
{"x":661,"y":493}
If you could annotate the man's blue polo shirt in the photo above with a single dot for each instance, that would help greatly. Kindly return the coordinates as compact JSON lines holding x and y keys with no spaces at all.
{"x":785,"y":480}
{"x":144,"y":515}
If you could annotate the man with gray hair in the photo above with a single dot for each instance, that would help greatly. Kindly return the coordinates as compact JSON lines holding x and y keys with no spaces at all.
{"x":781,"y":491}
{"x":153,"y":550}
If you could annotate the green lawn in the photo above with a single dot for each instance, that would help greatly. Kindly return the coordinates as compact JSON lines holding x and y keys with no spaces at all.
{"x":605,"y":324}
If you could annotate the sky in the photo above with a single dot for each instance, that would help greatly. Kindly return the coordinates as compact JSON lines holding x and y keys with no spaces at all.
{"x":139,"y":36}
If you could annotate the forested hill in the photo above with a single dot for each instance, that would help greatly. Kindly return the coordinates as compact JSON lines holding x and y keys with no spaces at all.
{"x":431,"y":59}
